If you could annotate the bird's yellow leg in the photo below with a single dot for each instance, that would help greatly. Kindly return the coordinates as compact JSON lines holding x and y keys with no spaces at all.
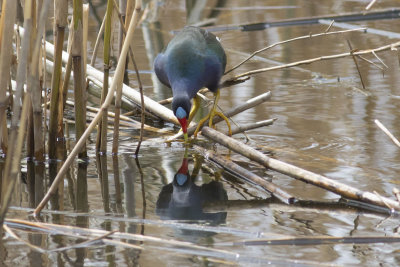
{"x":213,"y":112}
{"x":195,"y":108}
{"x":200,"y":124}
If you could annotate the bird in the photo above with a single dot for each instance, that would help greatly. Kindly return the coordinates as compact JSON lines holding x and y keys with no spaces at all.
{"x":193,"y":59}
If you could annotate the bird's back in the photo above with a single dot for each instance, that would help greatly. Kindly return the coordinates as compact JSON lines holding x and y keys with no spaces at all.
{"x":194,"y":58}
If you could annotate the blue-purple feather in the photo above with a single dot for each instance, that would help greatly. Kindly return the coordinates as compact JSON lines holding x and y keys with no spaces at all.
{"x":192,"y":60}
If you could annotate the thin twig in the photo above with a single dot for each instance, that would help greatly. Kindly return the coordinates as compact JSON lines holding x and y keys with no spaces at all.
{"x":383,"y":63}
{"x":396,"y":193}
{"x":392,"y":46}
{"x":370,"y":62}
{"x":314,"y":240}
{"x":370,"y":4}
{"x":387,"y":132}
{"x":330,"y":25}
{"x":356,"y":63}
{"x":387,"y":204}
{"x":15,"y":236}
{"x":291,"y":40}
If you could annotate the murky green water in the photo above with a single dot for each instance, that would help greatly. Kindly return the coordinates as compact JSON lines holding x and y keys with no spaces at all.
{"x":325,"y":125}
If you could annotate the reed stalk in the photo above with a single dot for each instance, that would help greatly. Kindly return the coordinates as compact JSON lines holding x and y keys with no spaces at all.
{"x":102,"y":132}
{"x":85,"y":20}
{"x":34,"y":84}
{"x":61,"y":22}
{"x":81,"y":142}
{"x":64,"y":89}
{"x":119,"y":96}
{"x":9,"y":9}
{"x":77,"y":63}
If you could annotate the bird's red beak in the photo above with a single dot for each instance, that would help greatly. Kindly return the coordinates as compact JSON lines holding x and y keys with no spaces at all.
{"x":183,"y":123}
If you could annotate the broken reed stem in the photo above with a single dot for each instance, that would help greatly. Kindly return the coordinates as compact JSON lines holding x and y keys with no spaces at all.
{"x":101,"y":144}
{"x":298,"y":173}
{"x":61,"y":22}
{"x":248,"y":176}
{"x":387,"y":132}
{"x":119,"y":72}
{"x":391,"y":46}
{"x":291,"y":40}
{"x":77,"y":63}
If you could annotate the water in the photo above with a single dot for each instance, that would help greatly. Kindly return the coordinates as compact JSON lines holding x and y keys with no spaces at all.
{"x":325,"y":125}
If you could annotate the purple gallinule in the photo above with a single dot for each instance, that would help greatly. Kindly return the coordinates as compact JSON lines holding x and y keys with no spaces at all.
{"x":192,"y":60}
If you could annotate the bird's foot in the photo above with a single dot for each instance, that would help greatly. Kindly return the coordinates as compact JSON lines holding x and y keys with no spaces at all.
{"x":200,"y":124}
{"x":210,"y":117}
{"x":220,"y":114}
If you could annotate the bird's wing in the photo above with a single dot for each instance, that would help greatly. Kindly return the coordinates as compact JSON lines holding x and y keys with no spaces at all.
{"x":159,"y":68}
{"x":215,"y":47}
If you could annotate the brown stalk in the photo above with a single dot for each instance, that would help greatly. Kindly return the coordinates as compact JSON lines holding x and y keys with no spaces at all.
{"x":77,"y":63}
{"x":35,"y":85}
{"x":356,"y":63}
{"x":8,"y":15}
{"x":60,"y":15}
{"x":81,"y":142}
{"x":101,"y":143}
{"x":119,"y":93}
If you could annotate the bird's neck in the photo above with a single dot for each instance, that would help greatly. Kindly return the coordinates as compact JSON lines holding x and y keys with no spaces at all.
{"x":184,"y":87}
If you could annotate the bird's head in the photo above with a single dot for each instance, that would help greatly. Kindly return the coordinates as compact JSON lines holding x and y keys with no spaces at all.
{"x":181,"y":107}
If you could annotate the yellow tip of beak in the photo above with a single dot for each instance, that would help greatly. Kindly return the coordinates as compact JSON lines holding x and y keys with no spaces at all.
{"x":185,"y":136}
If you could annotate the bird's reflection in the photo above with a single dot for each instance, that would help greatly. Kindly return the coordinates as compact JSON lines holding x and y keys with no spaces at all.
{"x":183,"y":199}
